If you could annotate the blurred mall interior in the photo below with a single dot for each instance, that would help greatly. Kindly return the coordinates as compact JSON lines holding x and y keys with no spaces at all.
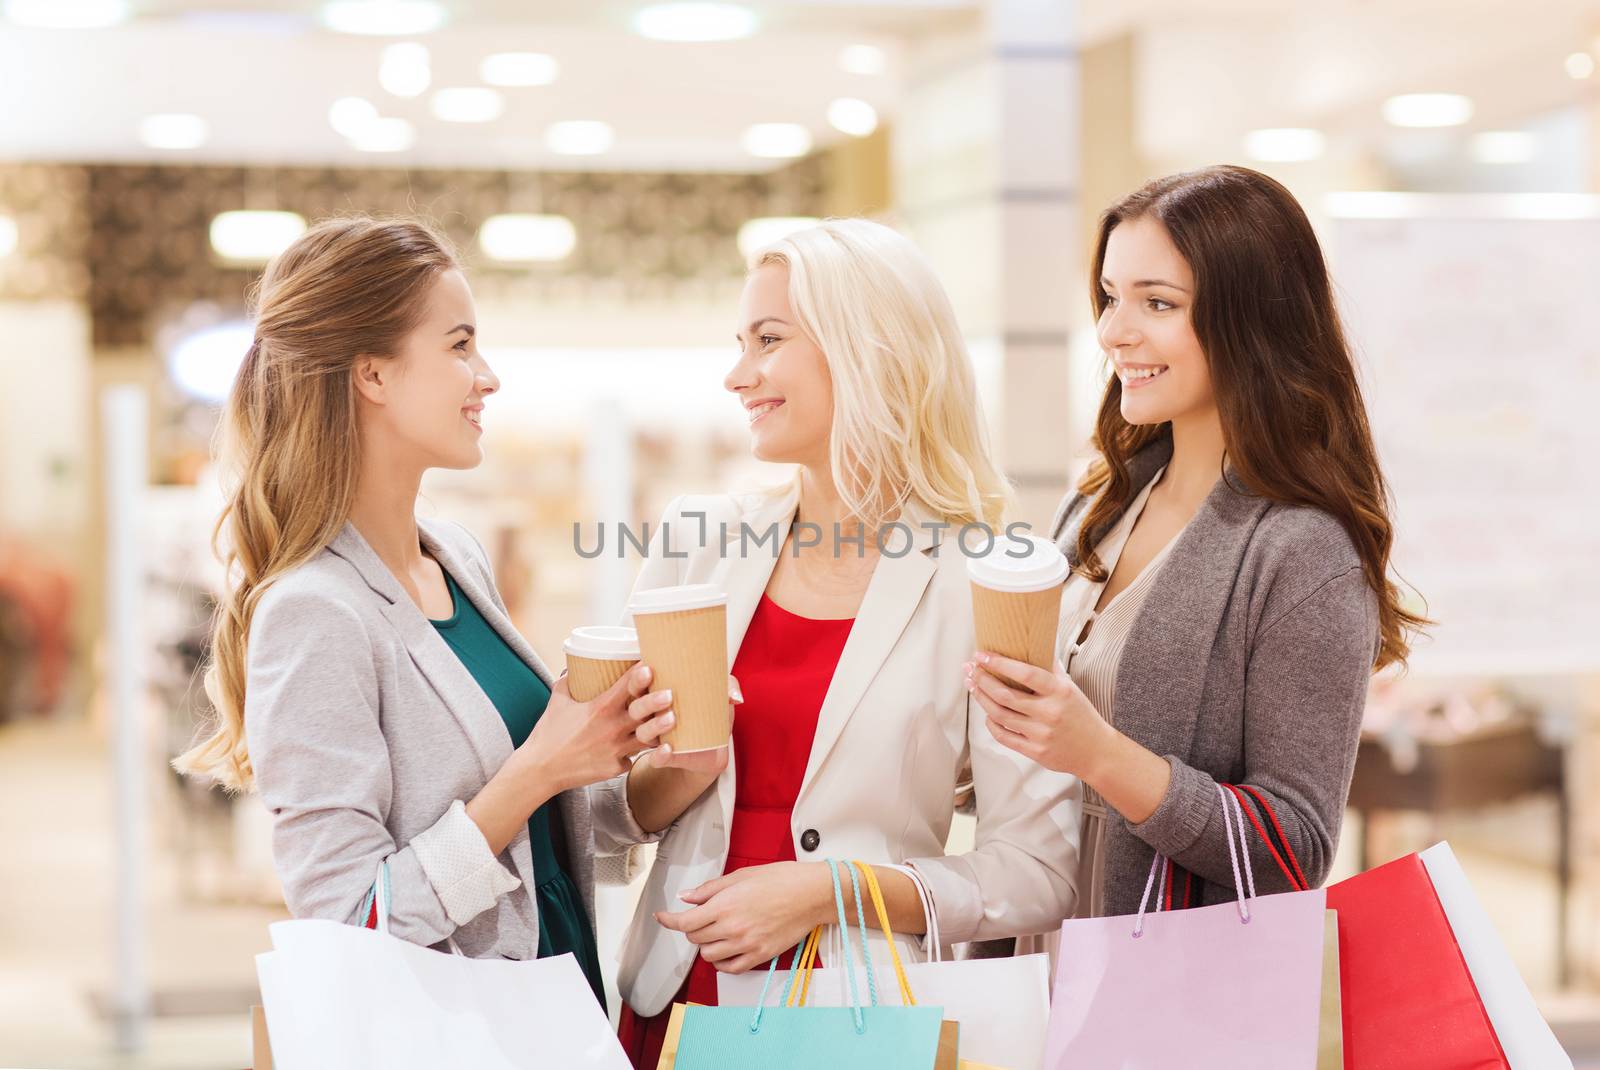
{"x":601,"y":164}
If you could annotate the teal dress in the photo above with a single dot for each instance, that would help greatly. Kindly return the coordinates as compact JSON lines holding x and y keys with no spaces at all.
{"x":520,"y":697}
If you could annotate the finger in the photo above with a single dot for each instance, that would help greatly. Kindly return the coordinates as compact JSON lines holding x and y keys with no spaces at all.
{"x":650,"y":733}
{"x":561,"y":690}
{"x":719,"y":952}
{"x":735,"y":695}
{"x":1015,"y":724}
{"x":638,"y":679}
{"x":742,"y":963}
{"x":1011,"y":740}
{"x":991,"y":686}
{"x":1029,"y":676}
{"x":685,"y":921}
{"x":710,"y":888}
{"x":647,"y":706}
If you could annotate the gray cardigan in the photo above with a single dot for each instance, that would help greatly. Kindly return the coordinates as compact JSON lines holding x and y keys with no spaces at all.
{"x":1248,"y":664}
{"x":367,"y":735}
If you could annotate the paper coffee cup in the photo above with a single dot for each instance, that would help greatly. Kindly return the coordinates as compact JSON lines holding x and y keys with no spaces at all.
{"x":1016,"y":599}
{"x":683,"y":637}
{"x":597,"y":656}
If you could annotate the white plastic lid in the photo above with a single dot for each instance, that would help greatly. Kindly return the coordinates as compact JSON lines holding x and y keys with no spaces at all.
{"x":1008,"y":568}
{"x":677,"y":599}
{"x":603,"y":642}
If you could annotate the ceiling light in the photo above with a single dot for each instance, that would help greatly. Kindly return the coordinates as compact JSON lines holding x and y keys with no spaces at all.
{"x":251,"y":237}
{"x":204,"y":364}
{"x":468,"y":104}
{"x":863,"y":59}
{"x":1580,"y":65}
{"x":1427,"y":109}
{"x":763,"y":231}
{"x":405,"y":70}
{"x":351,"y":115}
{"x":1285,"y":144}
{"x":1504,"y":146}
{"x":780,"y":141}
{"x":385,"y":135}
{"x":176,"y":131}
{"x":67,"y":14}
{"x":854,"y":117}
{"x":8,"y":235}
{"x":579,"y":137}
{"x":695,"y":22}
{"x":386,"y":17}
{"x":518,"y":69}
{"x":522,"y":238}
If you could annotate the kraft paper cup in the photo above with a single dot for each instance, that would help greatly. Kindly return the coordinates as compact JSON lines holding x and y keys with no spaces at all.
{"x":597,"y":656}
{"x":683,"y":637}
{"x":1016,"y":599}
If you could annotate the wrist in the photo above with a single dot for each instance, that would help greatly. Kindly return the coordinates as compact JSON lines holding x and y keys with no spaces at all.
{"x":820,"y":894}
{"x":540,"y":775}
{"x":1101,"y":756}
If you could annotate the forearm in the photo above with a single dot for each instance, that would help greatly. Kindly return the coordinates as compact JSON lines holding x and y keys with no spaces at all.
{"x":900,"y":899}
{"x":1130,"y":777}
{"x":658,"y":797}
{"x":502,"y":808}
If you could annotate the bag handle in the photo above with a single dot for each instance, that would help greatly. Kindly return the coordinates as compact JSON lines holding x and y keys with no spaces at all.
{"x":876,"y":894}
{"x":850,"y":967}
{"x":930,"y":917}
{"x":1295,"y":876}
{"x":1232,"y":823}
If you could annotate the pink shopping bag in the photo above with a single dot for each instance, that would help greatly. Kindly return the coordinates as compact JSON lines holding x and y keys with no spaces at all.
{"x":1236,"y":984}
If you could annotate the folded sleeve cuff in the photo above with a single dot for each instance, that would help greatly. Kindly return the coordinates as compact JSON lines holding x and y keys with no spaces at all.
{"x":464,"y":873}
{"x":615,"y":829}
{"x":1184,"y":811}
{"x":954,"y":890}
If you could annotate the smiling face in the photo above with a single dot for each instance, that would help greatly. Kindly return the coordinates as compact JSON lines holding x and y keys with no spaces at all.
{"x":781,"y":378}
{"x":1145,"y":326}
{"x":427,"y":400}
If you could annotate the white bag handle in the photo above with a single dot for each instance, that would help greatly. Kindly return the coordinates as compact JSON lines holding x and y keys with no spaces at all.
{"x":930,"y":916}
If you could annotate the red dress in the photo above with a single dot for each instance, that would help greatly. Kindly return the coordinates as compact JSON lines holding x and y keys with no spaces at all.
{"x":784,"y":666}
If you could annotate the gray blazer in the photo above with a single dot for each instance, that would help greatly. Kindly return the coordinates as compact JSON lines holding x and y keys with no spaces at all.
{"x":367,"y":736}
{"x":1248,"y":664}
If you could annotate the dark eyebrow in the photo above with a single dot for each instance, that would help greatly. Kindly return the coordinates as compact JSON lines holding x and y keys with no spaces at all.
{"x":756,"y":326}
{"x":469,"y":328}
{"x":1145,"y":284}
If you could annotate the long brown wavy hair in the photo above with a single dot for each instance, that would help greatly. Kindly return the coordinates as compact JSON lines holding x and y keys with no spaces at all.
{"x":289,"y":443}
{"x":1293,"y":419}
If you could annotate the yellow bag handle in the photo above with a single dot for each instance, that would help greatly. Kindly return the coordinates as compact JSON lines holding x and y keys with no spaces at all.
{"x":803,"y":964}
{"x":883,"y":921}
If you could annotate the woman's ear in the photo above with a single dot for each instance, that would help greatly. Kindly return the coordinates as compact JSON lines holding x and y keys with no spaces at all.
{"x":369,"y":374}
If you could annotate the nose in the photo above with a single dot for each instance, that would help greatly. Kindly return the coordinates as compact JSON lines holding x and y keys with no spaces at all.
{"x":486,"y":381}
{"x":742,"y":376}
{"x":1115,"y":329}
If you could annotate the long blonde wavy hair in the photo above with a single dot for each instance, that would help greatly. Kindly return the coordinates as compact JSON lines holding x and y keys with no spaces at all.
{"x":289,"y":443}
{"x":906,"y":421}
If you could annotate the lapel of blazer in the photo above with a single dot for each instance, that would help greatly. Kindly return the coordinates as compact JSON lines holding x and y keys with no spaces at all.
{"x":462,"y":696}
{"x":892,"y":597}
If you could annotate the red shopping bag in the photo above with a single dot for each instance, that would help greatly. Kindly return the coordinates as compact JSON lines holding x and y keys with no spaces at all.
{"x":1409,"y":1000}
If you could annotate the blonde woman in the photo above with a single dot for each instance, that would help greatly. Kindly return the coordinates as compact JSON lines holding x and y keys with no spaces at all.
{"x":855,"y":721}
{"x":367,"y":679}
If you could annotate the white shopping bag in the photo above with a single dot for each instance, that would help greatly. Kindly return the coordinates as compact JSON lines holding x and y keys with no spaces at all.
{"x":338,"y":996}
{"x":1001,"y":1005}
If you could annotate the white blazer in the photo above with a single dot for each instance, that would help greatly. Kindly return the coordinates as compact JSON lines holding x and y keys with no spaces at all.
{"x":895,"y":730}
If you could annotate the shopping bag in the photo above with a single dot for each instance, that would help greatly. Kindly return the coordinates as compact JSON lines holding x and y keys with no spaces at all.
{"x":340,"y":996}
{"x":1425,"y":980}
{"x":1002,"y":1005}
{"x":789,"y":1037}
{"x":1237,"y":983}
{"x":1330,"y":1018}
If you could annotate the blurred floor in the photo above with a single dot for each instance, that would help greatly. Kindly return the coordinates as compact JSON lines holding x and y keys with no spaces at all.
{"x":55,"y":926}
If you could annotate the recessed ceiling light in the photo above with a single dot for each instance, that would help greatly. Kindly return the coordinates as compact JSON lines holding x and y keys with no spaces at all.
{"x":384,"y":17}
{"x":522,"y":238}
{"x":8,"y":235}
{"x":854,"y":117}
{"x":254,"y":237}
{"x":1580,"y":65}
{"x":1427,"y":109}
{"x":204,"y":364}
{"x":175,"y":131}
{"x":351,"y":115}
{"x":1504,"y":146}
{"x":385,"y":135}
{"x":579,"y":137}
{"x":763,"y":231}
{"x":779,"y":141}
{"x":514,"y":69}
{"x":695,"y":22}
{"x":863,"y":59}
{"x":67,"y":14}
{"x":468,"y":104}
{"x":1286,"y":144}
{"x":405,"y":70}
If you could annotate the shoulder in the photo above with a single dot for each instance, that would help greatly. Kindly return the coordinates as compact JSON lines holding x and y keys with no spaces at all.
{"x":1298,"y":551}
{"x":322,"y":601}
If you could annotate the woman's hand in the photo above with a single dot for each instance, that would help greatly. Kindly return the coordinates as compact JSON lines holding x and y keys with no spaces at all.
{"x":1057,"y":726}
{"x":743,"y":919}
{"x":654,"y":717}
{"x":578,"y":743}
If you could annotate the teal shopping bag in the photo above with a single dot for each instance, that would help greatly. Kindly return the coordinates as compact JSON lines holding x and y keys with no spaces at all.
{"x":792,"y":1038}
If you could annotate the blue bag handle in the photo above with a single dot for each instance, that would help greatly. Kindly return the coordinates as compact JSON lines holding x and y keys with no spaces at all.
{"x":849,"y":962}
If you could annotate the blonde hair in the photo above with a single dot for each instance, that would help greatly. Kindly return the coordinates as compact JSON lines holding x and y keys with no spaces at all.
{"x":906,"y":423}
{"x":288,"y":441}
